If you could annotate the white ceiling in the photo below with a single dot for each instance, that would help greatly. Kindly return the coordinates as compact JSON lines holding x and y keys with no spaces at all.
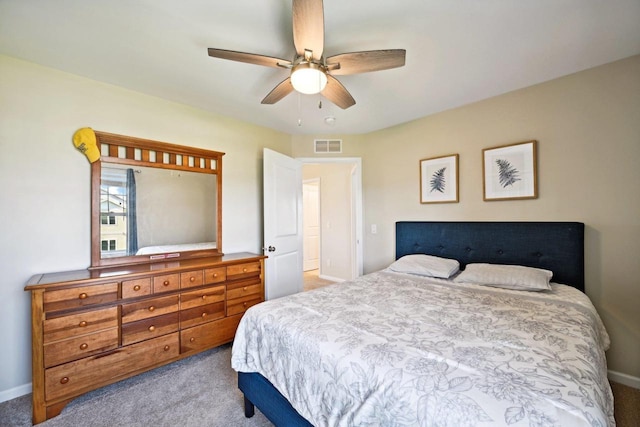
{"x":458,"y":51}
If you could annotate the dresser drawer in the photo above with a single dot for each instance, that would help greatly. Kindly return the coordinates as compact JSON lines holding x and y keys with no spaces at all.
{"x":64,"y":299}
{"x":204,"y":313}
{"x":240,"y":305}
{"x":243,"y":288}
{"x":76,"y":377}
{"x":149,"y":308}
{"x":215,"y":275}
{"x":191,"y":279}
{"x":166,"y":283}
{"x":201,"y":297}
{"x":149,"y":328}
{"x":209,"y":334}
{"x":136,"y":288}
{"x":79,"y":324}
{"x":243,"y":270}
{"x":76,"y":348}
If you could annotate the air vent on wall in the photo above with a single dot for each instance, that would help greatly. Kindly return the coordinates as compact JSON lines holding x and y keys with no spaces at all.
{"x":327,"y":145}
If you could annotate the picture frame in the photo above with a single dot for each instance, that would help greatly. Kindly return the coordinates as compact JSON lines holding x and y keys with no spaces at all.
{"x":509,"y":172}
{"x":439,"y":180}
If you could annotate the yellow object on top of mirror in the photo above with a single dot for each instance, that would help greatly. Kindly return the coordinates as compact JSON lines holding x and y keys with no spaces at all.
{"x":84,"y":140}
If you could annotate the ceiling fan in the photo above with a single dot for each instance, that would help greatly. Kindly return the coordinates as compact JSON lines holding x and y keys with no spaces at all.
{"x":310,"y":71}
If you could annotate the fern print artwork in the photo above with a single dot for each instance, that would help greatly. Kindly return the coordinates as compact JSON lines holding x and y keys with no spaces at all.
{"x":438,"y":181}
{"x":509,"y":171}
{"x":508,"y":174}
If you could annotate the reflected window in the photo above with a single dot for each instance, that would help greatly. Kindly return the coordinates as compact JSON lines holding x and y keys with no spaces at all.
{"x":108,"y":245}
{"x":113,"y":212}
{"x":108,"y":219}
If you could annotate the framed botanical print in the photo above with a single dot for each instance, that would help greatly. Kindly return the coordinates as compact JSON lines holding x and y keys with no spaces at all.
{"x":439,"y":179}
{"x":509,"y":171}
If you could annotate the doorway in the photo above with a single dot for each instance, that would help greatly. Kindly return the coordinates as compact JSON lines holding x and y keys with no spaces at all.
{"x":341,"y":223}
{"x":337,"y":213}
{"x":311,"y":224}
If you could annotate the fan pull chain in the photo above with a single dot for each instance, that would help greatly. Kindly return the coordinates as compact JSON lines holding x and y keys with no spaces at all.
{"x":320,"y":93}
{"x":299,"y":118}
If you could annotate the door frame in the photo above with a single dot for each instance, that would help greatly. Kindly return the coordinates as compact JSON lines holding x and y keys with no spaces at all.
{"x":357,"y":218}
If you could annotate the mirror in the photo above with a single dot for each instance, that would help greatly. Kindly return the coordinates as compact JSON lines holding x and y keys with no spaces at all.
{"x":154,"y":201}
{"x":148,"y":211}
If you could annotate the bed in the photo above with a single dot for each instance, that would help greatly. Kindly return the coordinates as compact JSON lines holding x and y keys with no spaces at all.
{"x":162,"y":249}
{"x":397,"y":348}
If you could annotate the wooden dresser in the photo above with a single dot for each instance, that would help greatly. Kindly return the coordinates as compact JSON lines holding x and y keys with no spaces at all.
{"x":91,"y":328}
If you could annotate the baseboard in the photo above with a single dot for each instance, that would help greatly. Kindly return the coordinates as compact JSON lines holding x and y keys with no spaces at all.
{"x":12,"y":393}
{"x":333,"y":279}
{"x":625,"y":379}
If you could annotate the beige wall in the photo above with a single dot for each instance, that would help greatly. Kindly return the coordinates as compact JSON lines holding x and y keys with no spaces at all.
{"x":45,"y":181}
{"x":588,"y":130}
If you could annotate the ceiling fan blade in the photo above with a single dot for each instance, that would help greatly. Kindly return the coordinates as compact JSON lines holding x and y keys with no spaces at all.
{"x":249,"y":58}
{"x":366,"y":61}
{"x":336,"y":93}
{"x":283,"y":89}
{"x":308,"y":27}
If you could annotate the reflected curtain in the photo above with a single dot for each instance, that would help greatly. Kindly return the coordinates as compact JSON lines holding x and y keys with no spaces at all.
{"x":132,"y":217}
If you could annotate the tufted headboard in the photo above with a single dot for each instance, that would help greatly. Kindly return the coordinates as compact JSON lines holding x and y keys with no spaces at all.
{"x":555,"y":246}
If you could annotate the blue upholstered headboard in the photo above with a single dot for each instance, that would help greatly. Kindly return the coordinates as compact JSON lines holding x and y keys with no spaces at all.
{"x":555,"y":246}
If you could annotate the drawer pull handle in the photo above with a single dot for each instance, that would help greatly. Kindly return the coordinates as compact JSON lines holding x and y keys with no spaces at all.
{"x":192,"y":339}
{"x":64,"y":380}
{"x":165,"y":283}
{"x":215,"y":275}
{"x":244,"y":270}
{"x":192,"y":279}
{"x":84,"y":346}
{"x":166,"y":348}
{"x":151,"y":308}
{"x":82,"y":324}
{"x":244,"y":304}
{"x":244,"y":289}
{"x":152,"y":328}
{"x":204,"y":297}
{"x":136,"y":288}
{"x":204,"y":315}
{"x":82,"y":296}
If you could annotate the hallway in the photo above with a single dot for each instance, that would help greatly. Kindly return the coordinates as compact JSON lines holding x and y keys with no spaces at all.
{"x":312,"y":281}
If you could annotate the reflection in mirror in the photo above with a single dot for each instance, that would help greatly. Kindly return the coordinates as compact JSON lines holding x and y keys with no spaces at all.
{"x":146,"y":211}
{"x":152,"y":201}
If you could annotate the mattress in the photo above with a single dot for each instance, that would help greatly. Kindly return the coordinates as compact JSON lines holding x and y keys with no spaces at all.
{"x":392,"y":349}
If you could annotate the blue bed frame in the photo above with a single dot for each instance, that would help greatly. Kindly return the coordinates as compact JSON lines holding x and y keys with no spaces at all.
{"x":555,"y":246}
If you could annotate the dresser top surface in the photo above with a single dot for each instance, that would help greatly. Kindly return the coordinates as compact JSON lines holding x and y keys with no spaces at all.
{"x":116,"y":273}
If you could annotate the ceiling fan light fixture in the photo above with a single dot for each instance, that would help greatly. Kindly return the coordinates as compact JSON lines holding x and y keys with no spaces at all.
{"x":308,"y":78}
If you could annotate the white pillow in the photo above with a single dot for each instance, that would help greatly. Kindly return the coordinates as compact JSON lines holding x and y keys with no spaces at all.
{"x":426,"y":265}
{"x":507,"y":276}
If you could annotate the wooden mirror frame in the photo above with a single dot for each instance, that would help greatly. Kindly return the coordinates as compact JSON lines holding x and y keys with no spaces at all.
{"x":127,"y":150}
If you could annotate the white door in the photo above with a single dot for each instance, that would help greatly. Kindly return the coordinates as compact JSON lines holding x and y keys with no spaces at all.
{"x":282,"y":195}
{"x":311,"y":224}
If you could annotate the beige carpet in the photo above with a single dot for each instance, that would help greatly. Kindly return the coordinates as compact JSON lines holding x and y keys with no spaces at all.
{"x":198,"y":391}
{"x":313,"y":281}
{"x":627,"y":405}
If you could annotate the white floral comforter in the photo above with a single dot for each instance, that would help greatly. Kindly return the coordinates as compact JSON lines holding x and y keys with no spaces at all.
{"x":391,"y":349}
